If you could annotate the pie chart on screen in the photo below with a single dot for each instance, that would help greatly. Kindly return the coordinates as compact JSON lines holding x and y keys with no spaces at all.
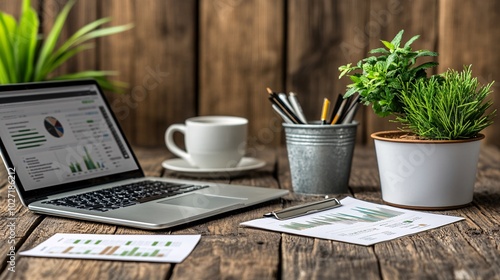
{"x":54,"y":127}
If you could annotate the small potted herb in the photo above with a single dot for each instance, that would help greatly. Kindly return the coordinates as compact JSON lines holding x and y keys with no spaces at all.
{"x":431,"y":162}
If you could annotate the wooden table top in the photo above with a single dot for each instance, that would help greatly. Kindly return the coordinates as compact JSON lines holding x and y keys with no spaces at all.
{"x":469,"y":249}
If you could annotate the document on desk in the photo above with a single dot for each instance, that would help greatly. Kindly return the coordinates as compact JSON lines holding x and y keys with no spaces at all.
{"x":146,"y":248}
{"x":357,"y":222}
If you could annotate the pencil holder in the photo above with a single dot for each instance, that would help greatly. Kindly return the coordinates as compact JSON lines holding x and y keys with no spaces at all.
{"x":320,"y":156}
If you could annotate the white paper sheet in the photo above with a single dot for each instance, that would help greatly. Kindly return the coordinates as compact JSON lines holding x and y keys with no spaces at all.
{"x":145,"y":248}
{"x":357,"y":222}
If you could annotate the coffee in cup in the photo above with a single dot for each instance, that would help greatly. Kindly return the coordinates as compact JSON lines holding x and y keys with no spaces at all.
{"x":210,"y":141}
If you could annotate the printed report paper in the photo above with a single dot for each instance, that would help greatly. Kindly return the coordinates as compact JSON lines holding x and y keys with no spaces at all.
{"x":146,"y":248}
{"x":357,"y":222}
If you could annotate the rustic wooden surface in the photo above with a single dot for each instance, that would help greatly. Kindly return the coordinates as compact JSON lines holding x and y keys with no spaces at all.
{"x":188,"y":58}
{"x":468,"y":249}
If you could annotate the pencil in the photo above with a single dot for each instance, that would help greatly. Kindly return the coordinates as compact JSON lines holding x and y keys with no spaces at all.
{"x":324,"y":112}
{"x":350,"y":114}
{"x":336,"y":107}
{"x":339,"y":112}
{"x":353,"y":102}
{"x":282,"y":115}
{"x":283,"y":107}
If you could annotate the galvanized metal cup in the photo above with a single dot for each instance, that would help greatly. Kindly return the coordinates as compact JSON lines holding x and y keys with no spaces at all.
{"x":320,"y":156}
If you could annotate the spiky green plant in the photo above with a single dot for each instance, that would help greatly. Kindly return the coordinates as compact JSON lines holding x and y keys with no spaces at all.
{"x":450,"y":106}
{"x":25,"y":57}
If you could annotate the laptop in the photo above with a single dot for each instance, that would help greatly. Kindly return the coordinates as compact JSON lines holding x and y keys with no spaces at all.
{"x":63,"y":145}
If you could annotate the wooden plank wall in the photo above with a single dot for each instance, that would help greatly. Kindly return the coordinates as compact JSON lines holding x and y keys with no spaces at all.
{"x":186,"y":57}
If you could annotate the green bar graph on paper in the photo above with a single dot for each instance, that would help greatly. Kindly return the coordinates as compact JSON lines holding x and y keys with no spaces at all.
{"x":368,"y":215}
{"x":133,"y":251}
{"x":115,"y":248}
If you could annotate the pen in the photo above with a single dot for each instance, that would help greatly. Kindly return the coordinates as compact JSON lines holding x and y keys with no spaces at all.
{"x":296,"y":106}
{"x":304,"y":209}
{"x":351,"y":111}
{"x":283,"y":98}
{"x":339,"y":111}
{"x":336,"y":107}
{"x":283,"y":116}
{"x":350,"y":114}
{"x":324,"y":112}
{"x":283,"y":108}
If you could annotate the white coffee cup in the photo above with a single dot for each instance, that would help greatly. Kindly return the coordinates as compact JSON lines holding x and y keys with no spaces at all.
{"x":211,"y":141}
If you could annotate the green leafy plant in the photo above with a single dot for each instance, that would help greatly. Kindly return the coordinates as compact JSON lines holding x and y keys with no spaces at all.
{"x":382,"y":77}
{"x":25,"y":57}
{"x":449,"y":106}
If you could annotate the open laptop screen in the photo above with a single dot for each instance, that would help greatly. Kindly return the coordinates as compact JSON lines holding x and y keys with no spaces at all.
{"x":60,"y":135}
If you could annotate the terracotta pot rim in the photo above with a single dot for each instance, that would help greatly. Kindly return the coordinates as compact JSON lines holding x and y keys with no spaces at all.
{"x":380,"y":135}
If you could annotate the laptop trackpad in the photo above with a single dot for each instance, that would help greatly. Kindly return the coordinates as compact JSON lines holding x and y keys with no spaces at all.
{"x":203,"y":201}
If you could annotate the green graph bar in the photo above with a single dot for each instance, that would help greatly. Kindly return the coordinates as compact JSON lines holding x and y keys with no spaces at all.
{"x":77,"y":241}
{"x":133,"y":251}
{"x":75,"y":167}
{"x":97,"y":242}
{"x":28,"y":138}
{"x":90,"y":121}
{"x":168,"y":243}
{"x":88,"y":241}
{"x":138,"y":254}
{"x":155,"y":252}
{"x":89,"y":163}
{"x":368,"y":215}
{"x":27,"y":147}
{"x":31,"y":142}
{"x":24,"y":134}
{"x":124,"y":253}
{"x":87,"y":252}
{"x":24,"y":130}
{"x":154,"y":243}
{"x":145,"y":254}
{"x":128,"y":243}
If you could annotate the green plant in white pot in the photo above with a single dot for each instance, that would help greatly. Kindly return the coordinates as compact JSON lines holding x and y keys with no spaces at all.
{"x":431,"y":162}
{"x":27,"y":57}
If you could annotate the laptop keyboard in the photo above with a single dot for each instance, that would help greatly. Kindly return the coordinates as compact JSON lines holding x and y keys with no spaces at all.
{"x":125,"y":195}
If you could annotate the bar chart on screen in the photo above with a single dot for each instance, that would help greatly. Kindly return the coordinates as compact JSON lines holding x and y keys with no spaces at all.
{"x":154,"y":248}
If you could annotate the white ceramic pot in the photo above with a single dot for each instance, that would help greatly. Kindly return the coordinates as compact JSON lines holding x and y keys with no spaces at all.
{"x":426,"y":174}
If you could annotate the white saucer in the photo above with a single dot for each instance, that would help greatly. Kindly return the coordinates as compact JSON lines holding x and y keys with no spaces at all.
{"x":182,"y":166}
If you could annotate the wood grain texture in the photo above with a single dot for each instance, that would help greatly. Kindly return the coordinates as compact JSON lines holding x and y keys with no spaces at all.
{"x":472,"y":42}
{"x":241,"y":53}
{"x":187,"y":58}
{"x":157,"y":59}
{"x":322,"y":35}
{"x":386,"y":19}
{"x":464,"y":250}
{"x":82,"y":13}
